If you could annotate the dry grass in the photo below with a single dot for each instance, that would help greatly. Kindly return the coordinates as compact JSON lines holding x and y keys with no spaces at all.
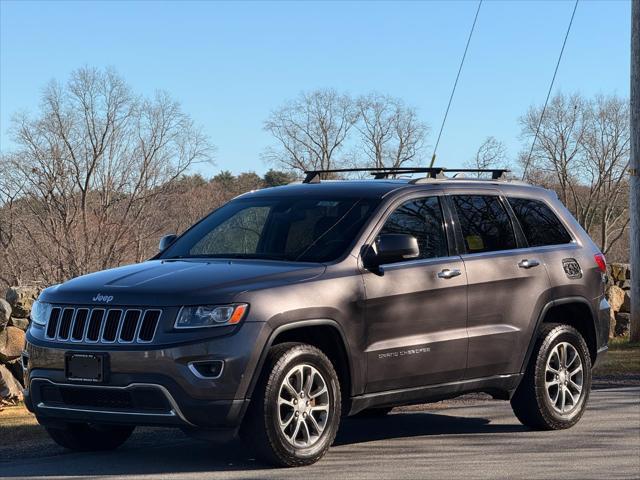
{"x":17,"y":424}
{"x":623,"y":358}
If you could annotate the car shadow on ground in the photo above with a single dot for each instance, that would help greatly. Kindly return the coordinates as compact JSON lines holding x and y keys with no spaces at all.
{"x":169,"y":451}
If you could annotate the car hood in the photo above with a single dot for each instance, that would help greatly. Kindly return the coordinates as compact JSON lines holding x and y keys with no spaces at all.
{"x":178,"y":282}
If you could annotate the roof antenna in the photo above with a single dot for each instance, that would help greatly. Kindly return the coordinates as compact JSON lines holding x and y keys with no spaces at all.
{"x":455,"y":84}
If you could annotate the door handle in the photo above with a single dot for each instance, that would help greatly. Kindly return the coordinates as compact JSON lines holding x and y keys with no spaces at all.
{"x":449,"y":273}
{"x":528,"y":263}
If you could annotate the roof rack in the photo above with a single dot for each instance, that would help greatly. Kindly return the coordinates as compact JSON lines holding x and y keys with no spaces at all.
{"x":313,"y":176}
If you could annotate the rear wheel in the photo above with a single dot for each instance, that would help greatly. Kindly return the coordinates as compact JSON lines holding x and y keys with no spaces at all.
{"x":554,"y":391}
{"x":86,"y":437}
{"x":295,"y":412}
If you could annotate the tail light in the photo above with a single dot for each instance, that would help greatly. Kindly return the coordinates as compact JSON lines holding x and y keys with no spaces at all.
{"x":602,"y":263}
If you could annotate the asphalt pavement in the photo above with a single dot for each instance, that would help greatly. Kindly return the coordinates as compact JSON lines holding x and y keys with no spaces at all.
{"x":478,"y":440}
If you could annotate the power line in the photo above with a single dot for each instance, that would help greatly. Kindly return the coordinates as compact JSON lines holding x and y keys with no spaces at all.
{"x":455,"y":84}
{"x":544,"y":108}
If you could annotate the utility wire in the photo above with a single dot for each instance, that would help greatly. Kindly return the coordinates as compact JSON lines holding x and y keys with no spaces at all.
{"x":455,"y":84}
{"x":544,"y":108}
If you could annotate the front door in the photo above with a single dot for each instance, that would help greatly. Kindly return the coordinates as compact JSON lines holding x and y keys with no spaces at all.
{"x":416,"y":310}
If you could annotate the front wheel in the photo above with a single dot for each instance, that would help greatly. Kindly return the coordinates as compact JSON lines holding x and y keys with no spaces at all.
{"x":84,"y":437}
{"x":554,"y":391}
{"x":295,"y":411}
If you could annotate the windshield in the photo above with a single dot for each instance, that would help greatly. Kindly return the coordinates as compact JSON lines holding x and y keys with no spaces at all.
{"x":287,"y":228}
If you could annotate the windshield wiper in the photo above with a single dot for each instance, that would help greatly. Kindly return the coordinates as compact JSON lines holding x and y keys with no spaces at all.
{"x":249,"y":256}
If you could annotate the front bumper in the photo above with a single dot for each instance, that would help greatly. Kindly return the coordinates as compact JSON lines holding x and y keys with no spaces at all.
{"x":146,"y":386}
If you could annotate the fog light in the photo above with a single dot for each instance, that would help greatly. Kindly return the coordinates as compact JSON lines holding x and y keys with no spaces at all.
{"x":208,"y":369}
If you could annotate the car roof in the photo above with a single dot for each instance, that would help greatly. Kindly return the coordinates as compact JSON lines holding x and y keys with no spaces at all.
{"x":383,"y":187}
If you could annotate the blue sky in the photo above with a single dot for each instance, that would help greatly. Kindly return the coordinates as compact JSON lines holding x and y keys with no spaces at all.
{"x":230,"y":64}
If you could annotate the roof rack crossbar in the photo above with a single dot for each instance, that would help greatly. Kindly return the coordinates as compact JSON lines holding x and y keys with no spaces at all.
{"x":313,"y":176}
{"x":496,"y":173}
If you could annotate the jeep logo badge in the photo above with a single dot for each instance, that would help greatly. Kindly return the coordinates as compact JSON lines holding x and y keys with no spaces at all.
{"x":103,"y":298}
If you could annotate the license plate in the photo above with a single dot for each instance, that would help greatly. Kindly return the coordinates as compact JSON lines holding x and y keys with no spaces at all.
{"x":85,"y":367}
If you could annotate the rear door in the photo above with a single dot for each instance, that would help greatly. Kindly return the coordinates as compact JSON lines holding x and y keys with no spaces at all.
{"x":506,"y":284}
{"x":416,"y":310}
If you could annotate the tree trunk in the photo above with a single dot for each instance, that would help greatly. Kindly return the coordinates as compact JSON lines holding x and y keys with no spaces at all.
{"x":634,"y":194}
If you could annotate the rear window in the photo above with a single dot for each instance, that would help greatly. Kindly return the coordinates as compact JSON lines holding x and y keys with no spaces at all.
{"x":485,"y":224}
{"x":540,"y":225}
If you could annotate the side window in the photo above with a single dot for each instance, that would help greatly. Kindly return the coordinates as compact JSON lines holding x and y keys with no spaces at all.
{"x":423,"y":219}
{"x":539,"y":224}
{"x":485,"y":224}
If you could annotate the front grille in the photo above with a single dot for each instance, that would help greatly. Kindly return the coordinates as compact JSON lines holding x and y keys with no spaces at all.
{"x":139,"y":398}
{"x":102,"y":325}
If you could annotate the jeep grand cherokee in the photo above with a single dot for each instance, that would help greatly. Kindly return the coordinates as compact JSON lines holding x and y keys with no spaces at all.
{"x":290,"y":307}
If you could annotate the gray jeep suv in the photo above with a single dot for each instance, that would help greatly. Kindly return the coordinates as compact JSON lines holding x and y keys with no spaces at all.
{"x":290,"y":307}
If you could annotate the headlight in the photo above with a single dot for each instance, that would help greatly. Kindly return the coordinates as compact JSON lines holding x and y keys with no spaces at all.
{"x":40,"y":313}
{"x":211,"y":315}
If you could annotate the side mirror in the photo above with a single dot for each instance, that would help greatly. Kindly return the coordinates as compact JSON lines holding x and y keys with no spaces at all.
{"x":392,"y":247}
{"x":166,"y":241}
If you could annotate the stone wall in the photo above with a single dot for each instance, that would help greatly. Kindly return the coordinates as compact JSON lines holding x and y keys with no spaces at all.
{"x":618,"y":294}
{"x":15,"y":309}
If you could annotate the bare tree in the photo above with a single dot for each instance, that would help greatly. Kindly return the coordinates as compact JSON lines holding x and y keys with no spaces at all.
{"x":91,"y":163}
{"x":310,"y":130}
{"x":582,"y":152}
{"x":391,"y":133}
{"x":10,"y":191}
{"x":490,"y":154}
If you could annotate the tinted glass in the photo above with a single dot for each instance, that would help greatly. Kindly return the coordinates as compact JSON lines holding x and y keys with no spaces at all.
{"x":307,"y":230}
{"x":539,"y":224}
{"x":485,"y":224}
{"x":421,"y":218}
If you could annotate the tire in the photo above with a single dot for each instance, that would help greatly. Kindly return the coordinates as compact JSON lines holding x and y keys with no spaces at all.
{"x":538,"y":400}
{"x":275,"y":401}
{"x":83,"y":437}
{"x":373,"y":413}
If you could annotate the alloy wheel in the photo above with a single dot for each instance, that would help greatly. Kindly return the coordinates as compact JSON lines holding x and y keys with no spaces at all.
{"x":564,"y":378}
{"x":303,"y":406}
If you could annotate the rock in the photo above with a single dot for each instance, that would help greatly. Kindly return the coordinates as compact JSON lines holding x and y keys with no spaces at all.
{"x":11,"y":344}
{"x":21,"y":299}
{"x":16,"y":370}
{"x":21,"y":323}
{"x":615,"y":296}
{"x":10,"y":388}
{"x":5,"y":313}
{"x":626,"y":304}
{"x":612,"y":323}
{"x":619,"y":271}
{"x":623,"y":321}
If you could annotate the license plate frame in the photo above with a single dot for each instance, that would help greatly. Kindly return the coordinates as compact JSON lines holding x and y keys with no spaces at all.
{"x":86,"y":367}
